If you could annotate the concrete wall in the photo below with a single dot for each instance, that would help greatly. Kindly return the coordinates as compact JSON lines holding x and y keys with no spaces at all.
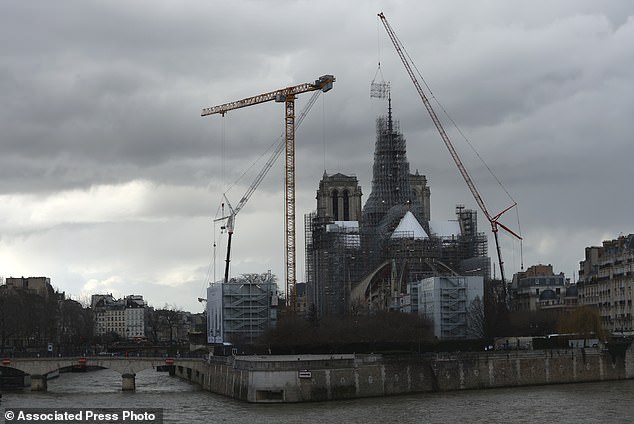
{"x":310,"y":378}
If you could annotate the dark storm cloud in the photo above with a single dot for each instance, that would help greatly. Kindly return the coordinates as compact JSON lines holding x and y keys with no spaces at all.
{"x":101,"y":121}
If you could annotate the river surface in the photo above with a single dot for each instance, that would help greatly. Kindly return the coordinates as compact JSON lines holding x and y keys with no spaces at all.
{"x":606,"y":402}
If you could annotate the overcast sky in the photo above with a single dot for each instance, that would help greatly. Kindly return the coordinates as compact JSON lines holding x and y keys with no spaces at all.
{"x":110,"y":179}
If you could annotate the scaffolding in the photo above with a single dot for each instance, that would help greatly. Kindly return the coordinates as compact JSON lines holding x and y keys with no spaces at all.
{"x":332,"y":264}
{"x":453,"y":308}
{"x":243,"y":308}
{"x":467,"y":254}
{"x":390,"y":173}
{"x":374,"y":263}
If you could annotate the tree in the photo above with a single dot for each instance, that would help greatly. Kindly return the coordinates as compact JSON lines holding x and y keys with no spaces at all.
{"x":584,"y":321}
{"x":496,"y":310}
{"x":11,"y":324}
{"x":164,"y":324}
{"x":379,"y":331}
{"x":533,"y":323}
{"x":75,"y":324}
{"x":27,"y":319}
{"x":475,"y":319}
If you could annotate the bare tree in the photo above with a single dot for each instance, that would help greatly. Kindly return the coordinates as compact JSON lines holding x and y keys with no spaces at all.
{"x":475,"y":319}
{"x":164,"y":324}
{"x":75,"y":324}
{"x":381,"y":330}
{"x":27,"y":319}
{"x":10,"y":322}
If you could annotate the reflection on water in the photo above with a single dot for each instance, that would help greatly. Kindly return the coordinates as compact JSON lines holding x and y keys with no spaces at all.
{"x":608,"y":402}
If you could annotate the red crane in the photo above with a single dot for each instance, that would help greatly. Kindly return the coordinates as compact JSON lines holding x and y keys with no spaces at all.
{"x":493,"y":219}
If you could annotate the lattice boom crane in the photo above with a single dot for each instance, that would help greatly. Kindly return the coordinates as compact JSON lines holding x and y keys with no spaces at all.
{"x":493,"y":220}
{"x":286,"y":96}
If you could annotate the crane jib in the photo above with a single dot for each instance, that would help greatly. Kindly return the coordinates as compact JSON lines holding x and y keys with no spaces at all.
{"x":286,"y":96}
{"x":324,"y":83}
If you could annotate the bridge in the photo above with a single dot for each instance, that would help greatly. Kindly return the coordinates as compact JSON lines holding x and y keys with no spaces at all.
{"x":38,"y":368}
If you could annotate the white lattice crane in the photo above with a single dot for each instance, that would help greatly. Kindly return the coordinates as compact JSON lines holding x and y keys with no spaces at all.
{"x":286,"y":96}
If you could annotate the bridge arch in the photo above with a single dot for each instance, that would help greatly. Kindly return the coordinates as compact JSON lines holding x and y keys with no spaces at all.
{"x":38,"y":368}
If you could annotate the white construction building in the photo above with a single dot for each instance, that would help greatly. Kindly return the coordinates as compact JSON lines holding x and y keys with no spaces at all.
{"x":241,"y":310}
{"x":447,"y":302}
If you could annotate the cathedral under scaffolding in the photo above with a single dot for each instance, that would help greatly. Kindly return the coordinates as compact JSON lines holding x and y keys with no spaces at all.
{"x":360,"y":259}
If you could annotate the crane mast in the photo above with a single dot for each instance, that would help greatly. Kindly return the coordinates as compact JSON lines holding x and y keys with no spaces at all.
{"x":286,"y":96}
{"x":493,"y":220}
{"x":230,"y":218}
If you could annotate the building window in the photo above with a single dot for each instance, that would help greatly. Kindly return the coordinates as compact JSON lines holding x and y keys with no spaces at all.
{"x":335,"y":205}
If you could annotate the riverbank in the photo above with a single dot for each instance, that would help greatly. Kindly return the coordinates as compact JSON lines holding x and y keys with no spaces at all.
{"x":587,"y":403}
{"x":306,"y":378}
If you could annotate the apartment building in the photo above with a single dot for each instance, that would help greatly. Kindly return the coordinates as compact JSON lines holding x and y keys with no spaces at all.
{"x":125,"y":317}
{"x":540,"y":288}
{"x":40,"y":286}
{"x":606,"y":282}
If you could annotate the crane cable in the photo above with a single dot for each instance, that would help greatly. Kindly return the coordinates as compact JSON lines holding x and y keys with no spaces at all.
{"x":378,"y":53}
{"x":486,"y":165}
{"x":211,"y":268}
{"x":210,"y":275}
{"x":323,"y":128}
{"x":433,"y":96}
{"x":277,"y":147}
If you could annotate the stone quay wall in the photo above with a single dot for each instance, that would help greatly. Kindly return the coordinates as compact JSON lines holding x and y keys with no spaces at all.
{"x":303,"y":378}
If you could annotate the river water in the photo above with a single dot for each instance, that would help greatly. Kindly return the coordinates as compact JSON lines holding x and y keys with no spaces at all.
{"x":606,"y":402}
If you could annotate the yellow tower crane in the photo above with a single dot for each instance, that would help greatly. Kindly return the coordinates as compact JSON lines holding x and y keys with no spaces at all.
{"x":286,"y":96}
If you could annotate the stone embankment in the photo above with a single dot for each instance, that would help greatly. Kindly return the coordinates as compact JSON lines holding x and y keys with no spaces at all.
{"x":303,"y":378}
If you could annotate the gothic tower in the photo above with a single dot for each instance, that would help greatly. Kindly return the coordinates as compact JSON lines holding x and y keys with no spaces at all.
{"x":421,"y":191}
{"x":339,"y":198}
{"x":391,"y":180}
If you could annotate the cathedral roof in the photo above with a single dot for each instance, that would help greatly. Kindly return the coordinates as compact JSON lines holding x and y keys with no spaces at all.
{"x":337,"y":176}
{"x":409,"y":227}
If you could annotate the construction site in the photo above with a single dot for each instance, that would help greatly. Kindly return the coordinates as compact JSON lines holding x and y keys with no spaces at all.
{"x":364,"y":259}
{"x":386,"y":255}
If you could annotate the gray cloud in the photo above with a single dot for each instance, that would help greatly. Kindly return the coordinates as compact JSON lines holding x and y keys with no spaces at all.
{"x":108,"y":175}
